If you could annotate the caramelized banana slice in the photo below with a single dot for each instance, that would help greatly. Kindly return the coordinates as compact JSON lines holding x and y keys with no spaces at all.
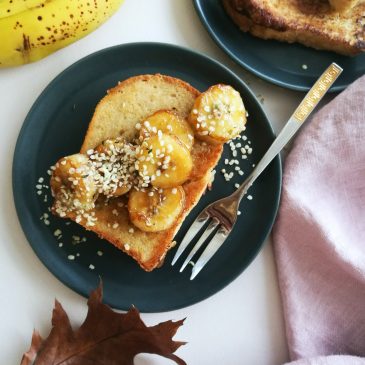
{"x":168,"y":123}
{"x":113,"y":161}
{"x":73,"y":184}
{"x":155,"y":210}
{"x":218,"y":114}
{"x":163,"y":161}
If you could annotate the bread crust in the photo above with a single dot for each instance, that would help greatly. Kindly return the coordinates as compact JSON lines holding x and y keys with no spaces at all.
{"x":312,"y":23}
{"x":147,"y":248}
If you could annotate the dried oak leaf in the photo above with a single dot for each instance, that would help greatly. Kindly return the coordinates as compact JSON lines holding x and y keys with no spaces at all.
{"x":105,"y":338}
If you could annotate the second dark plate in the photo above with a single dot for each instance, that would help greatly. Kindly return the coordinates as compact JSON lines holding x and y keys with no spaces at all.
{"x":276,"y":62}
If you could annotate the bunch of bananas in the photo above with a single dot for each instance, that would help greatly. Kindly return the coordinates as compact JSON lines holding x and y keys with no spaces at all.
{"x":33,"y":29}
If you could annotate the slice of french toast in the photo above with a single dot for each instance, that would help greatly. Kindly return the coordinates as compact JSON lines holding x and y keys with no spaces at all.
{"x":344,"y":5}
{"x":313,"y":23}
{"x":117,"y":114}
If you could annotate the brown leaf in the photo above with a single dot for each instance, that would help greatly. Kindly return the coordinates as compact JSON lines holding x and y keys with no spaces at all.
{"x":105,"y":338}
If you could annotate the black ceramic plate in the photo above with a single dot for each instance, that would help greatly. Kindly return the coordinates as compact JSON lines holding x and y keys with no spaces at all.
{"x":276,"y":62}
{"x":55,"y":127}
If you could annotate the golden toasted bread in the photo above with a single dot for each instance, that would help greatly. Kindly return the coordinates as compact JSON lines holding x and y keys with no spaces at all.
{"x":313,"y":23}
{"x":117,"y":114}
{"x":343,"y":6}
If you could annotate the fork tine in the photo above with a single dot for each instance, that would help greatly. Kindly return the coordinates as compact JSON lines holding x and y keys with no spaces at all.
{"x":197,"y":225}
{"x":212,"y":226}
{"x":213,"y":246}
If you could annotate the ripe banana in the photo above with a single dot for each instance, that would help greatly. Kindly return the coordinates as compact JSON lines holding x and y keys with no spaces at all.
{"x":33,"y":29}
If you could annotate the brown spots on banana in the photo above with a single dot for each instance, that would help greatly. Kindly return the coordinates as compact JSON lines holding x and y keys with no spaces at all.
{"x":25,"y":48}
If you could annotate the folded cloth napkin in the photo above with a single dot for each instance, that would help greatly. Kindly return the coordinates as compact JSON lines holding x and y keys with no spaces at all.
{"x":319,"y":236}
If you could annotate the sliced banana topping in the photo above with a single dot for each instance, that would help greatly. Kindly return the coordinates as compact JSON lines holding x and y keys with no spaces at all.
{"x":73,"y":184}
{"x":163,"y":161}
{"x":169,"y":123}
{"x":153,"y":167}
{"x":155,"y":210}
{"x":113,"y":161}
{"x":218,"y":114}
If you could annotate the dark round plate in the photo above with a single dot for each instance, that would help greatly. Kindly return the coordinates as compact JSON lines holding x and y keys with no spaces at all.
{"x":276,"y":62}
{"x":55,"y":127}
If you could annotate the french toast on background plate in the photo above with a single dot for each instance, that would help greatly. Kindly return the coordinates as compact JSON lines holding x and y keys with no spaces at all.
{"x":315,"y":24}
{"x":146,"y":160}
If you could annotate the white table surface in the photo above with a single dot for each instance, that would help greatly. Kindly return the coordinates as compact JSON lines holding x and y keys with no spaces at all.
{"x":243,"y":323}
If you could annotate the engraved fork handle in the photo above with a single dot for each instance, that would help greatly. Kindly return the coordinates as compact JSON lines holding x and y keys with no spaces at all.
{"x":305,"y":108}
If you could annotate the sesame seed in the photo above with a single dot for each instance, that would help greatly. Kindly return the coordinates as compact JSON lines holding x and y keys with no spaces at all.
{"x":91,"y":267}
{"x":239,"y":212}
{"x":127,"y":247}
{"x":40,"y":180}
{"x":39,"y":192}
{"x":71,"y":257}
{"x":131,"y":230}
{"x":138,"y":126}
{"x":90,"y":152}
{"x":240,"y":172}
{"x":115,"y":225}
{"x":195,"y":111}
{"x":99,"y":253}
{"x":304,"y":67}
{"x":236,"y":185}
{"x":150,"y":193}
{"x":60,"y":244}
{"x":249,"y":197}
{"x":57,"y":232}
{"x":174,"y":191}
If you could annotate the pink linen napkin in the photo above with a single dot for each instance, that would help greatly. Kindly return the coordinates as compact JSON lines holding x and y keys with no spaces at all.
{"x":319,"y":236}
